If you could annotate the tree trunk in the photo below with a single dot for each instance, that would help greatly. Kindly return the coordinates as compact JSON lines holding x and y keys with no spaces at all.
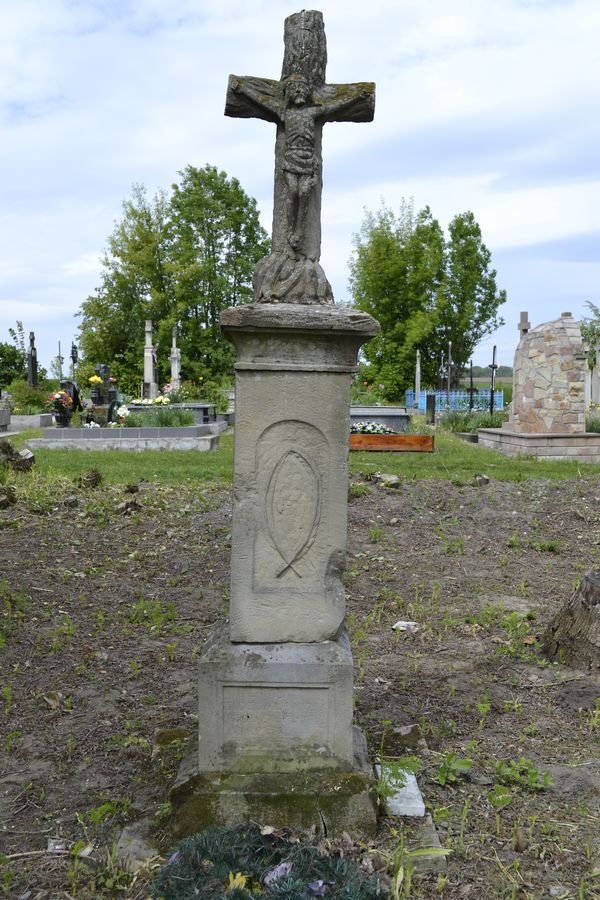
{"x":573,"y":635}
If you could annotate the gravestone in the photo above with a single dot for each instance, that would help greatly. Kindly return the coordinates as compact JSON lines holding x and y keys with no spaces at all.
{"x":150,"y":387}
{"x":276,"y":739}
{"x":417,"y":378}
{"x":32,"y":362}
{"x":175,"y":362}
{"x":549,"y":374}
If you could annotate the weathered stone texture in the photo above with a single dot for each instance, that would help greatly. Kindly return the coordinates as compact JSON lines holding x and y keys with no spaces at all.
{"x":549,"y":379}
{"x":290,"y":472}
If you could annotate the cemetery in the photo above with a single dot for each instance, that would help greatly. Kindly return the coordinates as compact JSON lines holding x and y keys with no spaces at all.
{"x":109,"y":594}
{"x":279,"y":668}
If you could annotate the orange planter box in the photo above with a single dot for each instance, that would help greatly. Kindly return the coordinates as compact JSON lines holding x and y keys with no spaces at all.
{"x":395,"y":443}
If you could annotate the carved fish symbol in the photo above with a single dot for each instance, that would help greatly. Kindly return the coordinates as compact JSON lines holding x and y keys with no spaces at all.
{"x":293,"y":507}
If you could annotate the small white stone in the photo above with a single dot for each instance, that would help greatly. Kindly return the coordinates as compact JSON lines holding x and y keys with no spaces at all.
{"x":402,"y":625}
{"x":406,"y":799}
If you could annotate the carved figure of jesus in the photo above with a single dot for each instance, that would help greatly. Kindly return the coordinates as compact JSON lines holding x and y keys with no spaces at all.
{"x":301,"y":119}
{"x":299,"y":104}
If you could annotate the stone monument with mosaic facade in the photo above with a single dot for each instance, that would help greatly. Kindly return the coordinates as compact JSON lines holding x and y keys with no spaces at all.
{"x":549,"y":379}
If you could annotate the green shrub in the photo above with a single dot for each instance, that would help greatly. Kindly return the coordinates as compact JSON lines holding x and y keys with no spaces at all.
{"x":592,"y":423}
{"x":418,"y":425}
{"x":212,"y":392}
{"x":161,"y":417}
{"x":470,"y":421}
{"x":27,"y":401}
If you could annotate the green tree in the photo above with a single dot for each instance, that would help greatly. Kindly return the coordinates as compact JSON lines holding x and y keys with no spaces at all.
{"x":177,"y":259}
{"x":425,"y":290}
{"x":590,"y":331}
{"x":135,"y":286}
{"x":12,"y":364}
{"x":215,"y":242}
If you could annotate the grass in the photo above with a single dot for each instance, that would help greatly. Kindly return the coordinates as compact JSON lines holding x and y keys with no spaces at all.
{"x":123,"y":466}
{"x":453,"y":459}
{"x":457,"y":461}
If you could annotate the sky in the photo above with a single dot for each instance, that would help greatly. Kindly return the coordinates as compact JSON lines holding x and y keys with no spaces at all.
{"x":483,"y":105}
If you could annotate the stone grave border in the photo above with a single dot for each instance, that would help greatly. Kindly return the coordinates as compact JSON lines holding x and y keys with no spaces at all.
{"x":184,"y":437}
{"x":583,"y":446}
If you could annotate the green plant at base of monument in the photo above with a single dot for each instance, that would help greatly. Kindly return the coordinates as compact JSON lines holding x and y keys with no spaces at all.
{"x":592,"y":418}
{"x":244,"y":862}
{"x":160,"y":417}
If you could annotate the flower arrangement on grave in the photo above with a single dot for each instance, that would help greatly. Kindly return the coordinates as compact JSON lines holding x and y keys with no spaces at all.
{"x":370,"y":428}
{"x":161,"y":400}
{"x":176,"y":395}
{"x":94,"y":380}
{"x":60,"y":401}
{"x":366,"y":393}
{"x":122,"y":415}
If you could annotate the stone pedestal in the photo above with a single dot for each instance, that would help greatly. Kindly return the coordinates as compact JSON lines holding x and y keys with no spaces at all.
{"x":293,"y":375}
{"x":275,"y":714}
{"x":275,"y":707}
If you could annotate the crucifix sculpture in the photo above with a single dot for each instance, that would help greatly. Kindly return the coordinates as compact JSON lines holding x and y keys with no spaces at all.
{"x":299,"y":104}
{"x":275,"y":687}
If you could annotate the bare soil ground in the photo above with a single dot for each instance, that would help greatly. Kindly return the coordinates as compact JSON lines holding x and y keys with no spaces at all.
{"x":108,"y":596}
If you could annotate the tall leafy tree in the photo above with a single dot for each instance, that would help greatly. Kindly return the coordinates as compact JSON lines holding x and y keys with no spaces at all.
{"x":398,"y":256}
{"x":176,"y":259}
{"x":135,"y":286}
{"x":215,"y":242}
{"x":590,"y":331}
{"x":425,"y":290}
{"x":12,"y":364}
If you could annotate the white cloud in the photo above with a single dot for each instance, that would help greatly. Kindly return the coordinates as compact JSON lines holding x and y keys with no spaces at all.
{"x":489,"y":105}
{"x":87,"y":262}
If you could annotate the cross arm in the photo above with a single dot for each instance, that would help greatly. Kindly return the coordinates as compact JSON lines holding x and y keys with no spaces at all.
{"x":252,"y":98}
{"x":347,"y":102}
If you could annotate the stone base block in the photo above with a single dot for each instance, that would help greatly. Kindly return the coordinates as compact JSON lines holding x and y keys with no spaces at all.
{"x":275,"y":707}
{"x":332,"y":800}
{"x":582,"y":447}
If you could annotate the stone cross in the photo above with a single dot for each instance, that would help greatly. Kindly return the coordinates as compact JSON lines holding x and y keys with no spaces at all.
{"x":150,"y":387}
{"x":524,"y":324}
{"x":32,"y":364}
{"x":175,"y":362}
{"x":417,"y":378}
{"x":299,"y":104}
{"x":275,"y":690}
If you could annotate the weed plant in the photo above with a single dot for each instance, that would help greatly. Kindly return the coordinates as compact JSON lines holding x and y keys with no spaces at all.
{"x":471,"y":420}
{"x":592,"y":423}
{"x":161,"y":417}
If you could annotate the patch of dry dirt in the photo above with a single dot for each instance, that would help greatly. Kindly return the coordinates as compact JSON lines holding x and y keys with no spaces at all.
{"x":109,"y":596}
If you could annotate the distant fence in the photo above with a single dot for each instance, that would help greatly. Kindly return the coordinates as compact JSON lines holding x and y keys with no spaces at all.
{"x":458,"y":400}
